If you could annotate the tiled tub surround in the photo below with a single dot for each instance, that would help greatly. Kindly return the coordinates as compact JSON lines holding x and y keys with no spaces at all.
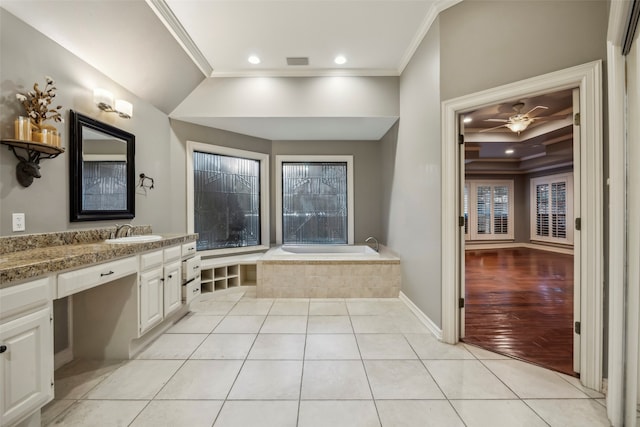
{"x":32,"y":255}
{"x":307,"y":275}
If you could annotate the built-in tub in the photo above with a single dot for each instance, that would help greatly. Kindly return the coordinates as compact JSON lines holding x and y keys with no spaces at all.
{"x":322,"y":250}
{"x":328,"y":271}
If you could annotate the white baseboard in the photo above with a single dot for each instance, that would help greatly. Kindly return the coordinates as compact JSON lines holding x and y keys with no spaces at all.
{"x":433,"y":328}
{"x":62,"y":357}
{"x":511,"y":245}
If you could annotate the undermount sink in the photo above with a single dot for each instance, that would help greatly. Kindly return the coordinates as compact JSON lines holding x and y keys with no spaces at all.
{"x":145,"y":238}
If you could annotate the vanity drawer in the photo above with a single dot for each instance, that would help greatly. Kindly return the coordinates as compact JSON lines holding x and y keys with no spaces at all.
{"x":151,"y":259}
{"x":191,"y":268}
{"x":23,"y":297}
{"x":188,"y":249}
{"x":171,"y":254}
{"x":190,"y":290}
{"x":86,"y":278}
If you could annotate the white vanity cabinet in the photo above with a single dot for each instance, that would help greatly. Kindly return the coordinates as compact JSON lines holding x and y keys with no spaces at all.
{"x":160,"y":281}
{"x":151,"y":311}
{"x":172,"y":279}
{"x":26,"y":350}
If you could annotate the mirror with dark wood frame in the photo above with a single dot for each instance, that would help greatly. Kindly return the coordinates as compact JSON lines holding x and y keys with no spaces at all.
{"x":101,"y":170}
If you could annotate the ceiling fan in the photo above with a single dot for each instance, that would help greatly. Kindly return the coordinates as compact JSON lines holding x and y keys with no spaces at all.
{"x":517,"y":122}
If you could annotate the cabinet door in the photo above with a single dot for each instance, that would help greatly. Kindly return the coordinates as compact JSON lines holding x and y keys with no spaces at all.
{"x":172,"y":291}
{"x":151,"y":299}
{"x":26,"y":365}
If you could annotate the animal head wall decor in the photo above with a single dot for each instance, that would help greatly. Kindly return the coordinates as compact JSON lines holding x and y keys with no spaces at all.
{"x":26,"y":171}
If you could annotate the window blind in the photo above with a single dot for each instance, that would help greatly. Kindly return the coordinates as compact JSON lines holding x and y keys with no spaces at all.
{"x":491,"y":216}
{"x":551,"y":203}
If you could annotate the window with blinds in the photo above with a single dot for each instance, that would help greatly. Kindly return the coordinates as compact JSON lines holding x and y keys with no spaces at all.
{"x":314,"y":203}
{"x":488,"y":206}
{"x":552,"y":199}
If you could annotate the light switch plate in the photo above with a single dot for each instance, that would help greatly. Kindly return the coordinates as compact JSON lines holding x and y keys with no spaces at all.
{"x":18,"y":222}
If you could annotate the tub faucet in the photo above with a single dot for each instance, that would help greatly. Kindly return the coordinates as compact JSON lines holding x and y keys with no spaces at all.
{"x":119,"y":228}
{"x":371,"y":238}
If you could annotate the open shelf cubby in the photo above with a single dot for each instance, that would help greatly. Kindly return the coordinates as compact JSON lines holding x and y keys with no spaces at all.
{"x":228,"y":272}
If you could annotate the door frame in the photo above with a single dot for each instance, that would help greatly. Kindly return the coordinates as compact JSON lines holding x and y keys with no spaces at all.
{"x":588,"y":78}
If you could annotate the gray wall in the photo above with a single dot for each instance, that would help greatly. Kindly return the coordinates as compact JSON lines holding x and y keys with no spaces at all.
{"x":367,"y":179}
{"x":490,"y":43}
{"x":412,"y":170}
{"x":388,"y":148}
{"x":181,"y":132}
{"x":27,"y":57}
{"x":472,"y":46}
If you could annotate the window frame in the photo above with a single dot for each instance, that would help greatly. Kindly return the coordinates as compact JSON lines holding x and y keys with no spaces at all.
{"x":348,"y":159}
{"x":265,"y":239}
{"x":472,"y":201}
{"x":550,"y":179}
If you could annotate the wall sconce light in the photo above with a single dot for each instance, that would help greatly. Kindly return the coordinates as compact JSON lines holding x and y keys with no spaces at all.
{"x":105,"y":101}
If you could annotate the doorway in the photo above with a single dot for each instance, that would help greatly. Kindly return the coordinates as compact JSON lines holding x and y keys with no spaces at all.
{"x":518,"y":207}
{"x":588,"y":245}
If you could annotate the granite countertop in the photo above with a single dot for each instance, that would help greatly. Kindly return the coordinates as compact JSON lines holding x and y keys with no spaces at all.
{"x":43,"y":259}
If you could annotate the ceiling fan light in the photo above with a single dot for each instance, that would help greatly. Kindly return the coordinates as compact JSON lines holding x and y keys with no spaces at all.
{"x":518,"y":126}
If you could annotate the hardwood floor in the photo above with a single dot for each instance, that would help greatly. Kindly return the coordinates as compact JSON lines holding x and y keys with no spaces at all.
{"x":519,"y":302}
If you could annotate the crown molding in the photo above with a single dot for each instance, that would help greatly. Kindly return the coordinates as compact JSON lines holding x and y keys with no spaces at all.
{"x":171,"y":22}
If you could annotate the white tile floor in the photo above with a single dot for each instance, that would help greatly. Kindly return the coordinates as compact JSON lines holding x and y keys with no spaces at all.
{"x":241,"y":361}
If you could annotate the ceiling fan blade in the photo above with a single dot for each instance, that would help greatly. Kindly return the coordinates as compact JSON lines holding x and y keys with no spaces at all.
{"x":549,"y":118}
{"x":497,"y":120}
{"x":535,"y":108}
{"x":493,"y":128}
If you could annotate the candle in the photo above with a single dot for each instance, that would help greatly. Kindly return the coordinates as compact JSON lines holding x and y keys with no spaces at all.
{"x":22,"y":128}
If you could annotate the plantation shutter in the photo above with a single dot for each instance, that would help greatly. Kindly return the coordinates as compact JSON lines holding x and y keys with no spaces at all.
{"x":552,"y":204}
{"x":492,"y":215}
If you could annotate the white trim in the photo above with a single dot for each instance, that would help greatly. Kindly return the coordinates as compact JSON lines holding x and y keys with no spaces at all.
{"x":617,"y":224}
{"x":353,"y":72}
{"x":423,"y":318}
{"x":618,"y":15}
{"x":62,"y":357}
{"x":513,"y":245}
{"x":264,"y":192}
{"x":65,"y":356}
{"x":567,"y":178}
{"x":472,"y":202}
{"x":588,"y":77}
{"x":174,"y":26}
{"x":427,"y":22}
{"x":348,"y":159}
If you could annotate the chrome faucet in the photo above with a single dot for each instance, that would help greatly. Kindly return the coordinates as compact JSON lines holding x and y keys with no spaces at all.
{"x":371,"y":238}
{"x":119,"y":228}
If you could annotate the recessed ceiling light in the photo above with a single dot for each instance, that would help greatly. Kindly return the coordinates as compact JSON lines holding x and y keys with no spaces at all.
{"x":509,"y":151}
{"x":467,"y":120}
{"x":254,"y":60}
{"x":340,"y":59}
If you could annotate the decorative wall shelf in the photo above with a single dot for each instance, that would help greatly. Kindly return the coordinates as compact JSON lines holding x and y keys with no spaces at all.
{"x":28,"y":166}
{"x":38,"y":147}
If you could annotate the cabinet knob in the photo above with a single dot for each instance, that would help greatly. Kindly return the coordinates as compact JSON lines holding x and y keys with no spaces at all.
{"x":3,"y":348}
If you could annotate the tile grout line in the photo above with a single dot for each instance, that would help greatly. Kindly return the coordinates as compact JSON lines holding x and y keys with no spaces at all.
{"x":224,"y":401}
{"x":366,"y":374}
{"x":304,"y":353}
